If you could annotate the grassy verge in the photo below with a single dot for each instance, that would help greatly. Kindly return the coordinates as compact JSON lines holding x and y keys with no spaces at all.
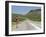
{"x":13,"y":26}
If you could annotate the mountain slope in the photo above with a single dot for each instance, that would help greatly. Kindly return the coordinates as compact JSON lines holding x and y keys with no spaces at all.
{"x":34,"y":15}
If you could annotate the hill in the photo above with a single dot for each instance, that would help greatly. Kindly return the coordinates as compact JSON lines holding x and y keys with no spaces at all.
{"x":34,"y":15}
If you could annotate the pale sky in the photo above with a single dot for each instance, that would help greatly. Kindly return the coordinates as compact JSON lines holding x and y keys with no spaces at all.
{"x":23,"y":9}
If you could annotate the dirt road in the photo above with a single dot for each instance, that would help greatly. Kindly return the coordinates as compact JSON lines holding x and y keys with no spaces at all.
{"x":27,"y":25}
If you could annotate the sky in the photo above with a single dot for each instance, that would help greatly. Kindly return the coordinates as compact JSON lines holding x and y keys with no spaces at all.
{"x":23,"y":10}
